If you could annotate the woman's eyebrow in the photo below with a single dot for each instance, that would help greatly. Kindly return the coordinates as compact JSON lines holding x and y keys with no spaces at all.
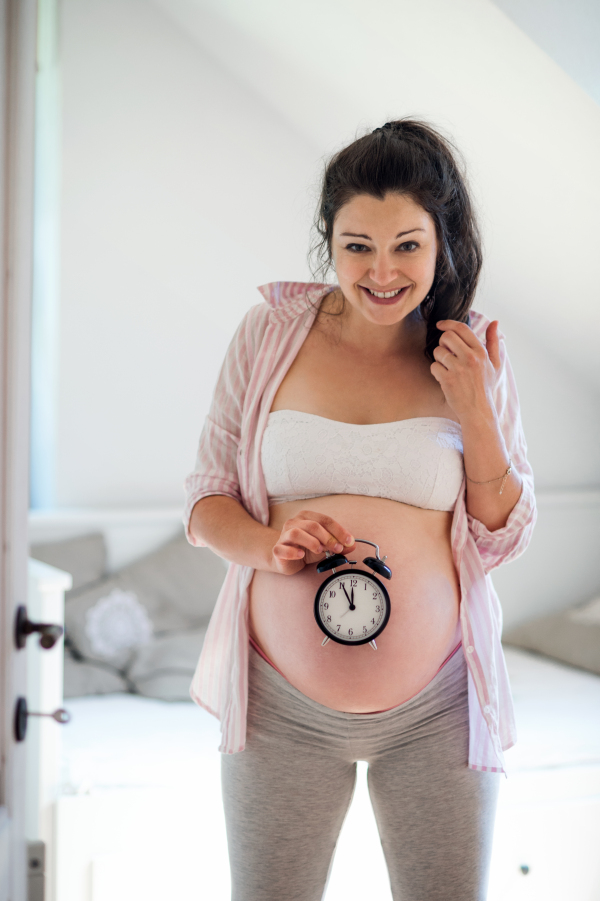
{"x":399,"y":235}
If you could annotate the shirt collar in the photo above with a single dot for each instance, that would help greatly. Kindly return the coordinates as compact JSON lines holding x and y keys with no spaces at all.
{"x":289,"y":299}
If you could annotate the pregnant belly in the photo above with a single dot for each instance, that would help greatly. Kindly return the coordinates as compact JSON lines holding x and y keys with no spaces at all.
{"x":423,"y":625}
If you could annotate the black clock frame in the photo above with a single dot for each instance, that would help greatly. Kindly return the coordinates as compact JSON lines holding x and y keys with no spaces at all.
{"x":350,"y":572}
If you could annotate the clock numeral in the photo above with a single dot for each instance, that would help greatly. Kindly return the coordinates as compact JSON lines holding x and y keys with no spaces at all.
{"x":332,"y":594}
{"x":353,"y":581}
{"x":365,"y":630}
{"x":374,"y":595}
{"x":326,"y":605}
{"x":328,"y":620}
{"x":373,"y":621}
{"x":377,"y":609}
{"x":339,"y":627}
{"x":350,"y":632}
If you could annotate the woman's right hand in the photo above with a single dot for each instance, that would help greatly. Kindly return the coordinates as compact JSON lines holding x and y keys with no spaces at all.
{"x":304,"y":539}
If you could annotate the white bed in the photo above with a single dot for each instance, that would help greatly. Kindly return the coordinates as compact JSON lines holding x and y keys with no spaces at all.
{"x":139,"y":814}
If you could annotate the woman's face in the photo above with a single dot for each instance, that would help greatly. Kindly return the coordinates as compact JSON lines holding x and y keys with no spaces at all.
{"x":382,"y":247}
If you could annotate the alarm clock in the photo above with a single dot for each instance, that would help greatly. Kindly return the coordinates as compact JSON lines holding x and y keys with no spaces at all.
{"x":353,"y":607}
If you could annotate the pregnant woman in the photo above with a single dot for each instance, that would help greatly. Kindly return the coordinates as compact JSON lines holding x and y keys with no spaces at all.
{"x":380,"y":408}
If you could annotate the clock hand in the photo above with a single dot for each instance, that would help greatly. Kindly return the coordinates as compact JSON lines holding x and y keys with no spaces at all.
{"x":351,"y":602}
{"x":352,"y":593}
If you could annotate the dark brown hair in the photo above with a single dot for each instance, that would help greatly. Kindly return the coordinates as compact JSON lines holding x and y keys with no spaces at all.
{"x":409,"y":157}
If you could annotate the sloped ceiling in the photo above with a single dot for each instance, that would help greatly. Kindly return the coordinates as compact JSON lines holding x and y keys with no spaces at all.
{"x":569,"y":32}
{"x":529,"y":133}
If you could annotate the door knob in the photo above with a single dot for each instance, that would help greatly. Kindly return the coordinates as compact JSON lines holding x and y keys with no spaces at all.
{"x":49,"y":633}
{"x":61,"y":716}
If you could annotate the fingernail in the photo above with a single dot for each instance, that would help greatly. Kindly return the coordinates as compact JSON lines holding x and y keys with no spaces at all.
{"x":349,"y":540}
{"x":338,"y":547}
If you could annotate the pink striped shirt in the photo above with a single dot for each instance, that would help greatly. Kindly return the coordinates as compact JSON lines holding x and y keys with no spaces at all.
{"x":228,"y":463}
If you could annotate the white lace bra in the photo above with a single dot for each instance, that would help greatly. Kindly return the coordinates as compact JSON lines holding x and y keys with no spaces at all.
{"x":414,"y":461}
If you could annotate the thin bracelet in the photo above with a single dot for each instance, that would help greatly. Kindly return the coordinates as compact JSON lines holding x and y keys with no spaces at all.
{"x":497,"y":479}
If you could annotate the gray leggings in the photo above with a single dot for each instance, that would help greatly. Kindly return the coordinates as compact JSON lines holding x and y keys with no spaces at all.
{"x":286,"y":795}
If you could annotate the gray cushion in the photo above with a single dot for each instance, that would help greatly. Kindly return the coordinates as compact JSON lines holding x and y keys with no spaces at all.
{"x":164,"y":668}
{"x":173,"y":589}
{"x":84,"y":557}
{"x":85,"y":678}
{"x":572,"y":636}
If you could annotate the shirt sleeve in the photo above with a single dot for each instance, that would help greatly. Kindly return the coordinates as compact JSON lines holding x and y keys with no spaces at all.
{"x":511,"y":540}
{"x":216,"y":469}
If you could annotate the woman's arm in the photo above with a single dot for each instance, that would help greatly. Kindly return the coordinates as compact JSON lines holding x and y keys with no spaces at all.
{"x":223,"y":525}
{"x":468,"y":372}
{"x":487,"y":458}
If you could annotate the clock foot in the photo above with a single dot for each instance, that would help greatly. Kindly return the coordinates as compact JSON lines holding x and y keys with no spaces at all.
{"x":324,"y":642}
{"x":373,"y":645}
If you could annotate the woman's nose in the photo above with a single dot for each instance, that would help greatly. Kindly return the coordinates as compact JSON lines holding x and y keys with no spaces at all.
{"x":384,"y":271}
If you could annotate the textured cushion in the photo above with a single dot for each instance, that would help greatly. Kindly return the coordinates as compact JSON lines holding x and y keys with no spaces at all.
{"x":173,"y":589}
{"x":84,"y":557}
{"x":164,"y":667}
{"x":572,"y":636}
{"x":85,"y":678}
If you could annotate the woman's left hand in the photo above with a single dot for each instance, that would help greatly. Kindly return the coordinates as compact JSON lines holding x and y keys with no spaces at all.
{"x":466,"y":368}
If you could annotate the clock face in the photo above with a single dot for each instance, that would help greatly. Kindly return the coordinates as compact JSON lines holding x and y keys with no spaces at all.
{"x":352,"y":607}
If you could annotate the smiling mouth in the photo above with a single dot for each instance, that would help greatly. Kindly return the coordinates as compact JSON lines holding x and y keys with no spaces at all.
{"x":384,"y":295}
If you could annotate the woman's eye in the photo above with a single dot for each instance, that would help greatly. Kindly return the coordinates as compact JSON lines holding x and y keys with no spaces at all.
{"x":407,"y":247}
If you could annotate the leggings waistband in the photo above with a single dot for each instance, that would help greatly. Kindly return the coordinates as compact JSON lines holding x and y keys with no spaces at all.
{"x":262,"y":654}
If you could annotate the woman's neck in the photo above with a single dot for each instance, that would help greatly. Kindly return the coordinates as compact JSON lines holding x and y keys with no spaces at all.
{"x":348,"y":327}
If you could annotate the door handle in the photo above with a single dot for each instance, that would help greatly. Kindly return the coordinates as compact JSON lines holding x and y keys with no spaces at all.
{"x":61,"y":716}
{"x":49,"y":633}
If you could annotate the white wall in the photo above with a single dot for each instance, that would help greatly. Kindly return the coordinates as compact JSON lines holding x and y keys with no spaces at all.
{"x":530,"y":134}
{"x":182,"y":191}
{"x":560,"y":411}
{"x":561,"y":566}
{"x":193,"y":136}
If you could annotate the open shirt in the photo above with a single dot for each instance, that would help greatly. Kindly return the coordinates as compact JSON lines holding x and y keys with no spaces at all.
{"x":228,"y":463}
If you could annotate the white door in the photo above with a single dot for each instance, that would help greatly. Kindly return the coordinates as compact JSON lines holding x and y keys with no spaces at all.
{"x":17,"y":96}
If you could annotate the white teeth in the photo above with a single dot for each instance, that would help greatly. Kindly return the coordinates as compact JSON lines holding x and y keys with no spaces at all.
{"x":384,"y":294}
